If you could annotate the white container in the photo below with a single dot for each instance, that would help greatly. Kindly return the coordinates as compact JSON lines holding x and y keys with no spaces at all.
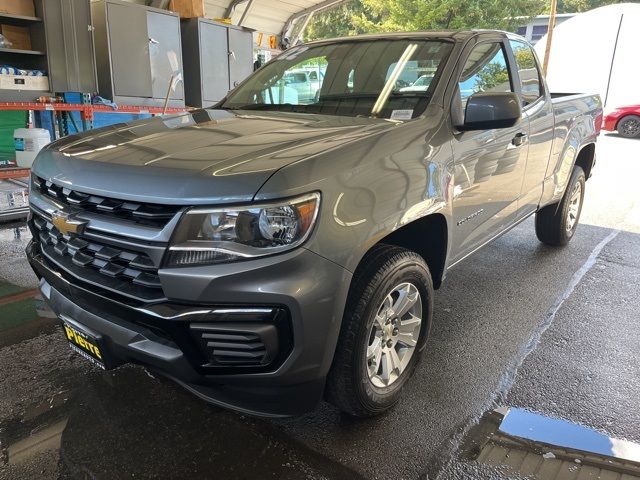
{"x":23,"y":82}
{"x":28,"y":142}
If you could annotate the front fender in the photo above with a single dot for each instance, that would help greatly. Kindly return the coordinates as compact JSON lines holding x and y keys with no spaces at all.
{"x":372,"y":187}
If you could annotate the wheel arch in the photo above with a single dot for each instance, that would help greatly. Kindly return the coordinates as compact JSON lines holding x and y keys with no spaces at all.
{"x":586,"y":158}
{"x":428,"y":237}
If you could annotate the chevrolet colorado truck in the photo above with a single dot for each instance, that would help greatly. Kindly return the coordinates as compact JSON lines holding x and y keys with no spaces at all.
{"x":267,"y":254}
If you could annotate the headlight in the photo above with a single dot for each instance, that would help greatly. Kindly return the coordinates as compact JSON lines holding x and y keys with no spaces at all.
{"x":220,"y":235}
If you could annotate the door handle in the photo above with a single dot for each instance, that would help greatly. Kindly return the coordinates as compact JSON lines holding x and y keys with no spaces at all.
{"x":519,"y":139}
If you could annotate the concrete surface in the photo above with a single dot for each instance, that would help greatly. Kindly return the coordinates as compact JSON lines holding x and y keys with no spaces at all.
{"x":519,"y":324}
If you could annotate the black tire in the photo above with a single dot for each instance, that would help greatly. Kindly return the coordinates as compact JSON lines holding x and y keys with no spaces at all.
{"x":349,"y":386}
{"x":629,"y":126}
{"x":553,"y":222}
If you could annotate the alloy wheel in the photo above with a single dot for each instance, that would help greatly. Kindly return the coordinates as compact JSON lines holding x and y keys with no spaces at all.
{"x":574,"y":206}
{"x":630,"y":128}
{"x":394,"y":335}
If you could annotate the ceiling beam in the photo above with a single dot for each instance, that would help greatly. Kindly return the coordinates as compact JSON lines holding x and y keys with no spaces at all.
{"x":232,"y":6}
{"x":245,"y":13}
{"x":306,"y":12}
{"x":315,"y":8}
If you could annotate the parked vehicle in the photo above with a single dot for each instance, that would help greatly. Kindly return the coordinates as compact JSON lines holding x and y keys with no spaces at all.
{"x":624,"y":120}
{"x":420,"y":85}
{"x":265,"y":254}
{"x":306,"y":82}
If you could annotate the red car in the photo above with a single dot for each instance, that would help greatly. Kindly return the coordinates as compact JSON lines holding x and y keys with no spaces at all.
{"x":626,"y":120}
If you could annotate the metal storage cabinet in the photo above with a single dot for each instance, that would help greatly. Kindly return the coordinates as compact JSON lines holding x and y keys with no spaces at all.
{"x":138,"y":49}
{"x":69,"y":35}
{"x":240,"y":55}
{"x":216,"y":56}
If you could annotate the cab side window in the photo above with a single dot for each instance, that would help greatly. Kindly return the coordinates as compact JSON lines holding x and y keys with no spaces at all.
{"x":528,"y":72}
{"x":485,"y":70}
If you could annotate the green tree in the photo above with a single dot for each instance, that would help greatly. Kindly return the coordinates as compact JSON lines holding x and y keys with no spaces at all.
{"x":370,"y":16}
{"x":411,"y":15}
{"x":339,"y":21}
{"x":524,"y":57}
{"x":491,"y":76}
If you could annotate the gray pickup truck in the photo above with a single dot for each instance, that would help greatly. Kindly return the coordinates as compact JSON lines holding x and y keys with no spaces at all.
{"x":265,"y":254}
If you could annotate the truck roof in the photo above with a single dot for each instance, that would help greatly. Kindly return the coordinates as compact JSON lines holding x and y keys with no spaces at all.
{"x":455,"y":35}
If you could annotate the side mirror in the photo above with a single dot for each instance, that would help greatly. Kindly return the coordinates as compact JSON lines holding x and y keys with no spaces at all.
{"x":488,"y":110}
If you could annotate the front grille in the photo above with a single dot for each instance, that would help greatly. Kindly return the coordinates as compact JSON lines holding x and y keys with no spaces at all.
{"x":144,"y":213}
{"x":126,"y":272}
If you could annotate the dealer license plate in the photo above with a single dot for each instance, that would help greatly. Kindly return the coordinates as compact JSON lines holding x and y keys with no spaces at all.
{"x":87,"y":345}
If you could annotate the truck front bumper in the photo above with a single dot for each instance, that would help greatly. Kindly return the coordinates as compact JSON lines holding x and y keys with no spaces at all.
{"x":306,"y":290}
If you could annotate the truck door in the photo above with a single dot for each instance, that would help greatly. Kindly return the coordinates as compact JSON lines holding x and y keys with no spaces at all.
{"x":537,"y":106}
{"x":489,"y":165}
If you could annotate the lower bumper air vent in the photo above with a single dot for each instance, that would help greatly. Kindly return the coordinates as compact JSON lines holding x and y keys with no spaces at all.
{"x":251,"y":339}
{"x":250,"y":344}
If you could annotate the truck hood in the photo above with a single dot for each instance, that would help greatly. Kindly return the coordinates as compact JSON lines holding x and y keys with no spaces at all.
{"x":204,"y":156}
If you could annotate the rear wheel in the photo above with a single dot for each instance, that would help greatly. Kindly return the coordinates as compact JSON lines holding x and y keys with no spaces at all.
{"x":556,"y":224}
{"x":384,"y":329}
{"x":629,"y":126}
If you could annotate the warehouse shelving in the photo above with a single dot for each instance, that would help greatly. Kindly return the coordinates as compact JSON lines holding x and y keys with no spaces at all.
{"x":18,"y":51}
{"x":87,"y":110}
{"x":13,"y":19}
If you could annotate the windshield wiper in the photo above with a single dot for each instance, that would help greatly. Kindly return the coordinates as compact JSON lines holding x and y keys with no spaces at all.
{"x":357,"y":96}
{"x":252,"y":106}
{"x":284,"y":107}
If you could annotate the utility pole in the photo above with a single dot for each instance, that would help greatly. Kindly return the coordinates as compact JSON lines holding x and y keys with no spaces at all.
{"x":552,"y":23}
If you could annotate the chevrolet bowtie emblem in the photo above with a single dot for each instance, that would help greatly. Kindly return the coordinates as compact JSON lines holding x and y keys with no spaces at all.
{"x":65,"y":224}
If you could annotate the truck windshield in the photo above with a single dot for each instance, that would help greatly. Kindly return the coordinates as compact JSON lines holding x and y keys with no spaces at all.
{"x":350,"y":78}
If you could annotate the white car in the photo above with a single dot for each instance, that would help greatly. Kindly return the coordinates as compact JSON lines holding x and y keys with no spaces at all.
{"x":420,"y":85}
{"x":306,"y":82}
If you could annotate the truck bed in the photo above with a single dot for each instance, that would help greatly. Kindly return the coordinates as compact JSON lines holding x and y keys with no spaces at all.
{"x":570,"y":108}
{"x":560,"y":97}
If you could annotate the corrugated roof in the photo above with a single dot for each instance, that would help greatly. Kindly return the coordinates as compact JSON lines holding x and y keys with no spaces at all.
{"x":269,"y":16}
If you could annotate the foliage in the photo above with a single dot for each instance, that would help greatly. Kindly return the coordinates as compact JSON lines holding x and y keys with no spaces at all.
{"x":370,"y":16}
{"x":524,"y":58}
{"x":451,"y":14}
{"x":492,"y":75}
{"x":338,"y":21}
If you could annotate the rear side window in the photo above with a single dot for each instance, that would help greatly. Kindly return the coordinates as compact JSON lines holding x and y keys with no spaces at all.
{"x":485,"y":71}
{"x":527,"y":71}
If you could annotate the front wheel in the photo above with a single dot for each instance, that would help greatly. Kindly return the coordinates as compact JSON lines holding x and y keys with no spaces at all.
{"x":384,"y":329}
{"x":556,"y":224}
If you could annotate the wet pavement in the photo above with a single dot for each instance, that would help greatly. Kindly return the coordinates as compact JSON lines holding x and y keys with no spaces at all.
{"x":524,"y":443}
{"x":519,"y":326}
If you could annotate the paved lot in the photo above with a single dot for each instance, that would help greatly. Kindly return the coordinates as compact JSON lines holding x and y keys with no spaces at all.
{"x":519,"y":324}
